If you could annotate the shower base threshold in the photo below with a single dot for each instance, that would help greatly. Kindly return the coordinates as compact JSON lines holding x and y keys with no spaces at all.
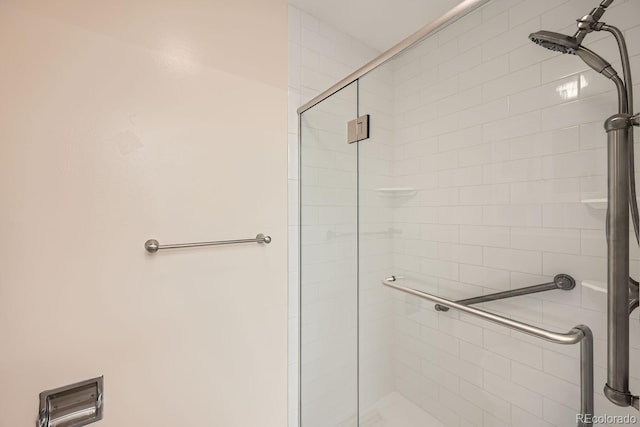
{"x":394,"y":410}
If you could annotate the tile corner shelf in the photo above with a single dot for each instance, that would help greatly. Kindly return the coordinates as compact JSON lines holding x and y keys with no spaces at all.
{"x":595,"y":203}
{"x":397,"y":191}
{"x":595,"y":285}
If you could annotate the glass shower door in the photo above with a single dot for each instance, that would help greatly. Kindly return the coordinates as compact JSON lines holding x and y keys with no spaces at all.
{"x":484,"y":161}
{"x":377,"y":231}
{"x":465,"y":190}
{"x":328,"y":263}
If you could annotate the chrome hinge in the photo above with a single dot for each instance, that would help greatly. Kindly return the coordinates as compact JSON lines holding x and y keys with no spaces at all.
{"x":358,"y":129}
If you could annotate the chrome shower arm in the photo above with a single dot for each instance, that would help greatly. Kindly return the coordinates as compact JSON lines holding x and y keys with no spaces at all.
{"x":589,"y":23}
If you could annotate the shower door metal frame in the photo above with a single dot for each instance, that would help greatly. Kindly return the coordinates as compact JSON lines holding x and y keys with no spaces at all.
{"x":465,"y":7}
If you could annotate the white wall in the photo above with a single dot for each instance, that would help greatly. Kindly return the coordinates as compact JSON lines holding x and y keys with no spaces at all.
{"x":122,"y":121}
{"x":503,"y":140}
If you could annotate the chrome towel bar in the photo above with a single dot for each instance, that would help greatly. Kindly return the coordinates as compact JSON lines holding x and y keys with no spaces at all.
{"x":152,"y":245}
{"x":578,"y":334}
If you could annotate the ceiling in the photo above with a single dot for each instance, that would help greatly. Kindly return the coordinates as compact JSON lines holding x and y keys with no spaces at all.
{"x":379,"y":24}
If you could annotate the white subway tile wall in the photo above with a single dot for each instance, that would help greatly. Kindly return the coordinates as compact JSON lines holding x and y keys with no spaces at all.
{"x":515,"y":142}
{"x":320,"y":55}
{"x":501,"y":140}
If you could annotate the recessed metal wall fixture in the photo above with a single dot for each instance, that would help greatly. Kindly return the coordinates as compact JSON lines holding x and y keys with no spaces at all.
{"x":73,"y":405}
{"x":622,"y":294}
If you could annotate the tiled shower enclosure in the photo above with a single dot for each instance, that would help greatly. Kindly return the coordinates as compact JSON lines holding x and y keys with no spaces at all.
{"x":485,"y":171}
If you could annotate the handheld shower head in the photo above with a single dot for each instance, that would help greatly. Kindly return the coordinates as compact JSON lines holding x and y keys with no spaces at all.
{"x":567,"y":44}
{"x":596,"y":62}
{"x":555,"y":41}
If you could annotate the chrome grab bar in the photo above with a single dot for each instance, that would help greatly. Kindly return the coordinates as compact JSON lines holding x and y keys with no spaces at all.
{"x":560,"y":281}
{"x":152,"y":245}
{"x":578,"y":334}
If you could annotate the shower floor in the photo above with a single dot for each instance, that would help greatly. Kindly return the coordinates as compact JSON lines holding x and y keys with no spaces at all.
{"x":394,"y":410}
